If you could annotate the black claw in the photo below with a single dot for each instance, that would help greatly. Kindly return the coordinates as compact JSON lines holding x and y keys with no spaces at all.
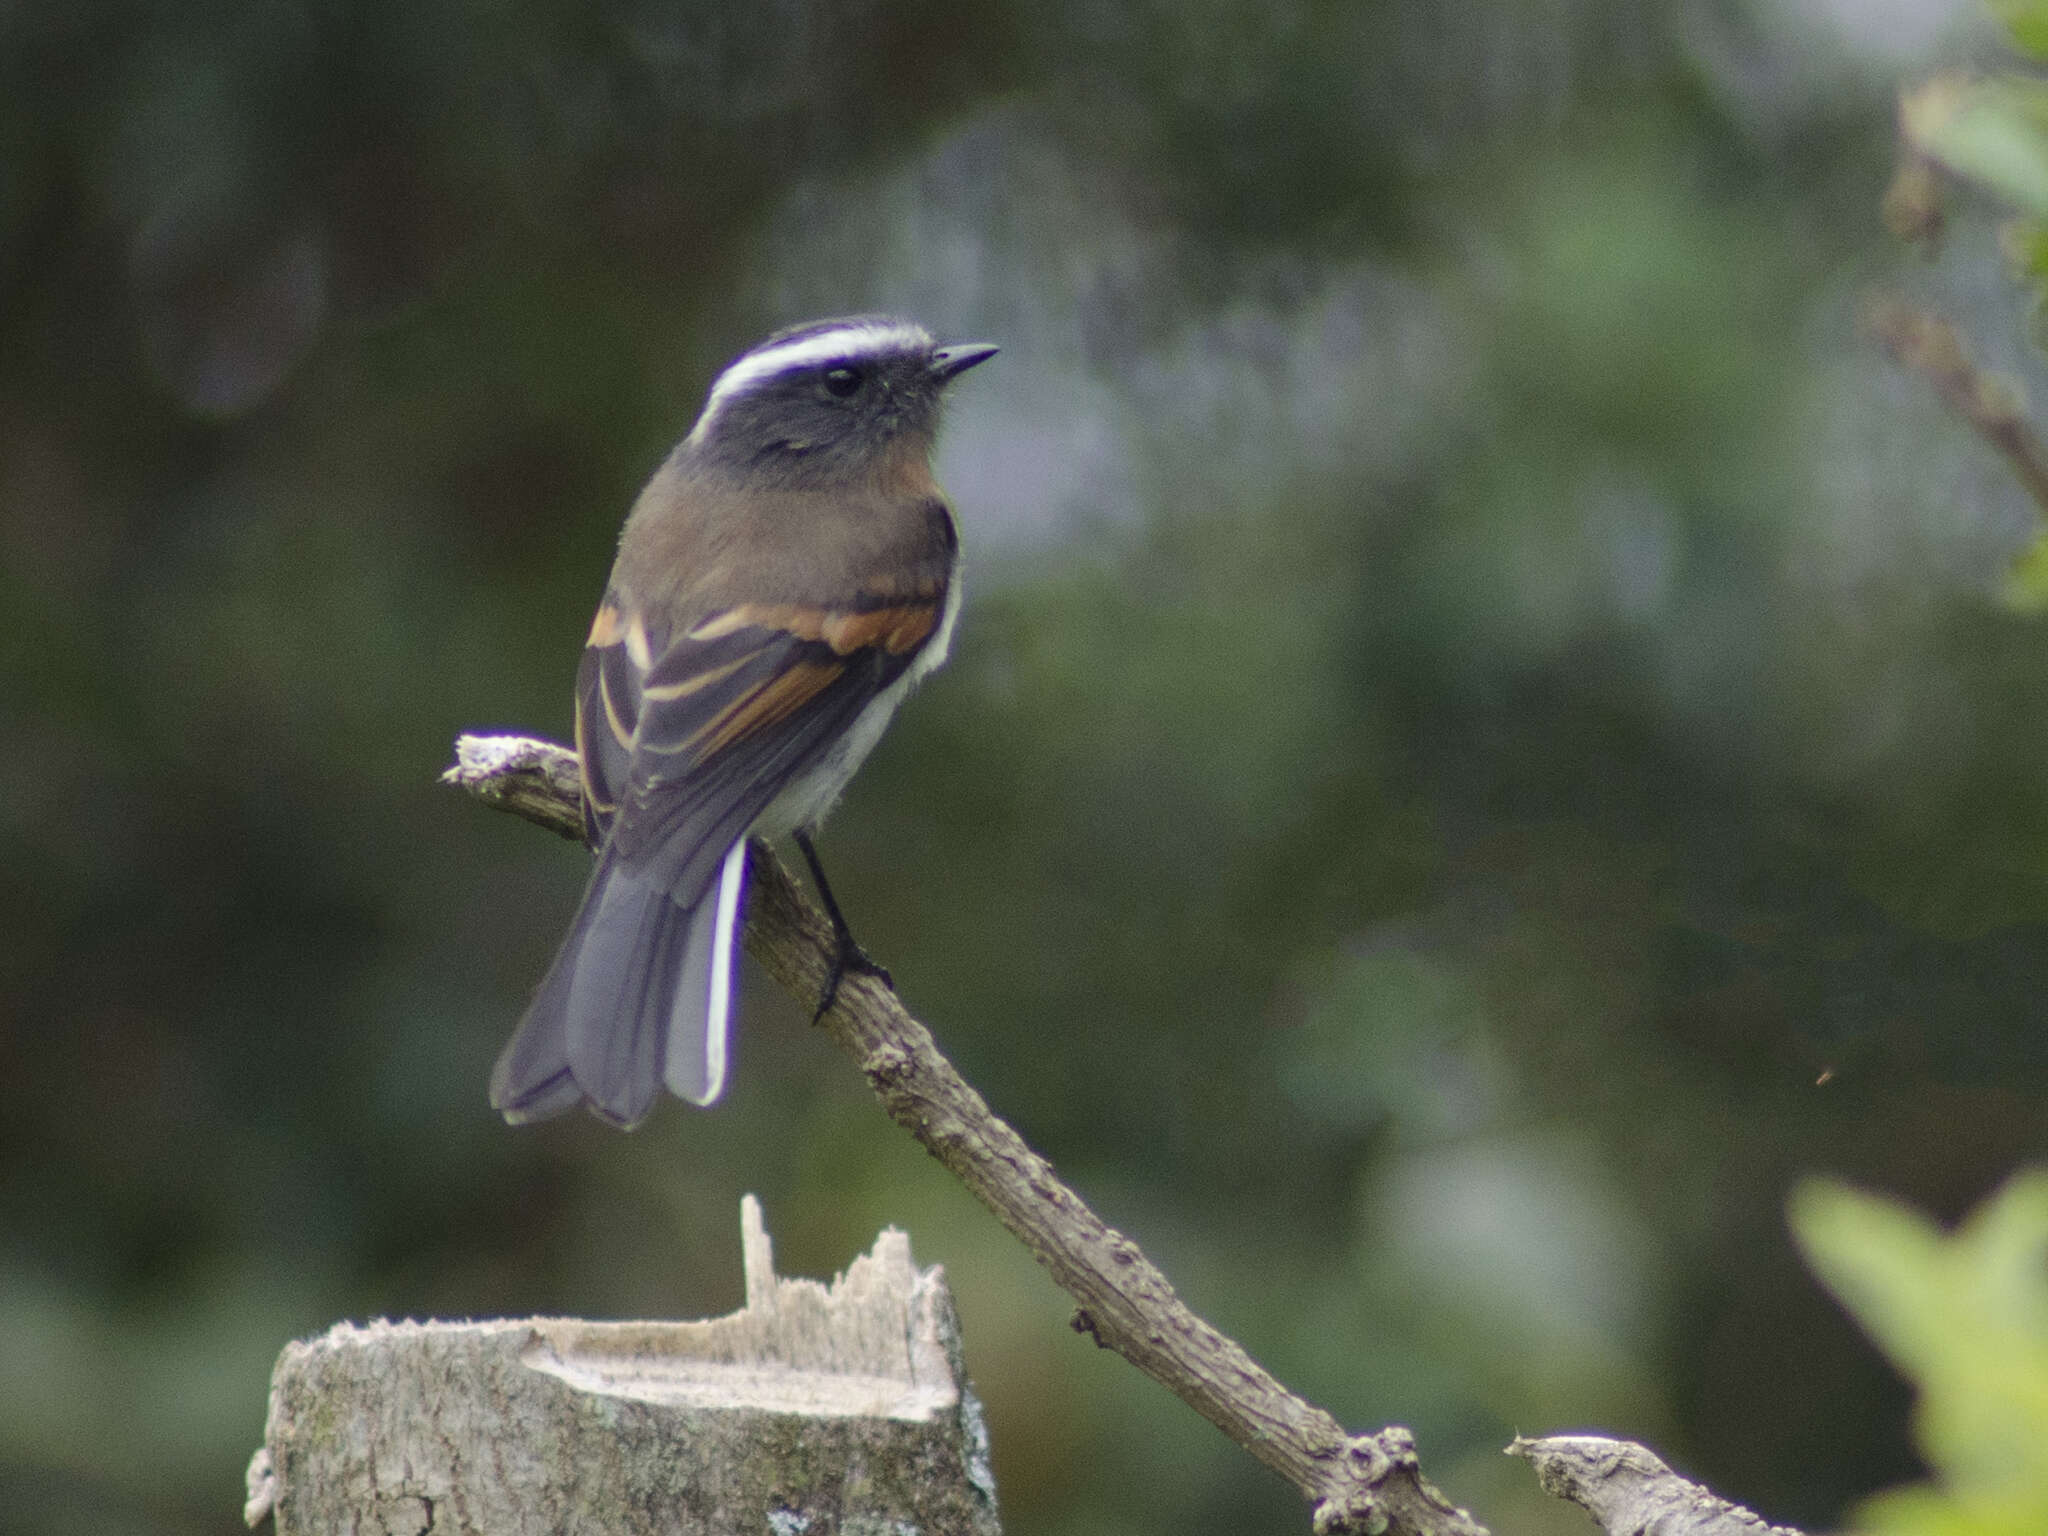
{"x":847,"y":954}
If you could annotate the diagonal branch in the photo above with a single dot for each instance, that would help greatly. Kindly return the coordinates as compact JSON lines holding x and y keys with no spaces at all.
{"x":1629,"y":1490}
{"x":1356,"y":1482}
{"x":1991,"y":405}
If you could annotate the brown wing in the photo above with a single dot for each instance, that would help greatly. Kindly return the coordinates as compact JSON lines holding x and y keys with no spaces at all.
{"x":607,"y":714}
{"x":686,"y":739}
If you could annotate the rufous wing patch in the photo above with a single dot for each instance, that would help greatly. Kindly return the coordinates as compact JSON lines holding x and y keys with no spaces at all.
{"x":774,"y":701}
{"x":896,"y":630}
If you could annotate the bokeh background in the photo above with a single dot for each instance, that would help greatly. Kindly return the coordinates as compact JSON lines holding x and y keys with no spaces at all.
{"x":1479,"y":688}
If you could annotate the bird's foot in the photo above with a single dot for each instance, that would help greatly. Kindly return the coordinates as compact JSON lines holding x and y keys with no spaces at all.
{"x":847,"y":958}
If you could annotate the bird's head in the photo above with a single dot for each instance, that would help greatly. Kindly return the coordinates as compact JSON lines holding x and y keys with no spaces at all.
{"x":829,"y":401}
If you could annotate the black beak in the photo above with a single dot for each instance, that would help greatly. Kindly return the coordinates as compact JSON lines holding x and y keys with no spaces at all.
{"x":950,"y":362}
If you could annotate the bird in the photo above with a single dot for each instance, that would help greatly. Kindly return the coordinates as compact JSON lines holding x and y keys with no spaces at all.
{"x":784,"y":580}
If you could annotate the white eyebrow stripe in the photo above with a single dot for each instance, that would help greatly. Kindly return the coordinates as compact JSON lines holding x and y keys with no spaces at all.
{"x":861,"y":340}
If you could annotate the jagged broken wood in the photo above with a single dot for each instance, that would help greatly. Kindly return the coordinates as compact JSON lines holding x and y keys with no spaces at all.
{"x":1354,"y":1482}
{"x":1631,"y":1492}
{"x":810,"y":1409}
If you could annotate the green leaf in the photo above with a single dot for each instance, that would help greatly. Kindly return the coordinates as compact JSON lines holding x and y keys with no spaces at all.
{"x":1965,"y":1317}
{"x":2027,"y":23}
{"x":1993,"y":131}
{"x":2025,"y":589}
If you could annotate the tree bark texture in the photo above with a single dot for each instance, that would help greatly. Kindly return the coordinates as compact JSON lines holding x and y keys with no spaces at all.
{"x":1630,"y":1492}
{"x":813,"y":1411}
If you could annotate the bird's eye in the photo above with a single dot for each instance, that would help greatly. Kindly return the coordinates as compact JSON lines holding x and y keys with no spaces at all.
{"x":842,"y":381}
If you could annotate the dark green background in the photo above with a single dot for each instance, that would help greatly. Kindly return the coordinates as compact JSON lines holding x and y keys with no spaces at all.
{"x":1478,"y":687}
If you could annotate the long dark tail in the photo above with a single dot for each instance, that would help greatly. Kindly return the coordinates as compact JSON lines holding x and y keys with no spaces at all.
{"x":639,"y":997}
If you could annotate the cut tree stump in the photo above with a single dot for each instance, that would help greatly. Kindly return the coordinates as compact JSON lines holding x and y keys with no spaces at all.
{"x":810,"y":1412}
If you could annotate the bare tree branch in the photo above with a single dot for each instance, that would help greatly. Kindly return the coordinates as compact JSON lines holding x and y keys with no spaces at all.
{"x":1630,"y":1492}
{"x":1355,"y":1482}
{"x":528,"y":777}
{"x":1991,"y":405}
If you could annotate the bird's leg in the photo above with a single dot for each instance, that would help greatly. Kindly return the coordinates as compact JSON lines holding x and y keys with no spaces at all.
{"x":848,"y":956}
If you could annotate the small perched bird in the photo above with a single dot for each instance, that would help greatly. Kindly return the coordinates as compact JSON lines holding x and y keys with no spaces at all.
{"x":783,"y":582}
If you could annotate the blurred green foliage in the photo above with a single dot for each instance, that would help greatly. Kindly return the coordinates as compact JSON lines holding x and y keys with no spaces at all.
{"x":1993,"y":130}
{"x":1965,"y":1318}
{"x":2027,"y":22}
{"x":1483,"y":743}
